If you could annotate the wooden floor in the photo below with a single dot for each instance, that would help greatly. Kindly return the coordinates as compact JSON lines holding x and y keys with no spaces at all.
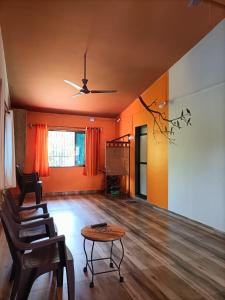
{"x":166,"y":257}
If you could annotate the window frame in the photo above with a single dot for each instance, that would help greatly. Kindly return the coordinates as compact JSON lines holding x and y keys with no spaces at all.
{"x":75,"y":131}
{"x":80,"y":131}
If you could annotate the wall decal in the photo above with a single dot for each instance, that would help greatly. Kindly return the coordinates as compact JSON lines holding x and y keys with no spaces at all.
{"x":161,"y":122}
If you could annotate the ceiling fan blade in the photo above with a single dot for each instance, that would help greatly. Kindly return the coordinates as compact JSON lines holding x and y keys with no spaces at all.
{"x":103,"y":91}
{"x":73,"y":84}
{"x":77,"y":94}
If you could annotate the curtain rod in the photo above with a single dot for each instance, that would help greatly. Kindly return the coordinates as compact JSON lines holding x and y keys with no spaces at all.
{"x":63,"y":127}
{"x":30,"y":125}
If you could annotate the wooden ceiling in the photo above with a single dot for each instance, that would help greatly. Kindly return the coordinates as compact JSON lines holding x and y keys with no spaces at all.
{"x":130,"y":43}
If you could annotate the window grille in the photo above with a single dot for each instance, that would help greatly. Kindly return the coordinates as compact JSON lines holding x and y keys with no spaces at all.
{"x":66,"y":148}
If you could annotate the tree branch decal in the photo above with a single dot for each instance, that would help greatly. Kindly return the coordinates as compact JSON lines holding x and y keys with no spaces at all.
{"x":161,"y":122}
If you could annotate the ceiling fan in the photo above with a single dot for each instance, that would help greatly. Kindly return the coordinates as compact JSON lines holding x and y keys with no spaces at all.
{"x":84,"y":89}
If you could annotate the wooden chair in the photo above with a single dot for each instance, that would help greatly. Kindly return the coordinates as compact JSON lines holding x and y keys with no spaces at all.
{"x":28,"y":183}
{"x":43,"y":256}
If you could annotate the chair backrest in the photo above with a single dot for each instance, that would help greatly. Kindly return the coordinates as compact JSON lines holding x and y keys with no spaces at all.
{"x":19,"y":176}
{"x":11,"y":203}
{"x":11,"y":230}
{"x":12,"y":226}
{"x":26,"y":181}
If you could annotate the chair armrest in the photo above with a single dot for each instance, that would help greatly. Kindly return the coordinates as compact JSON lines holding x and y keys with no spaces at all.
{"x":36,"y":223}
{"x":41,"y":244}
{"x":41,"y":216}
{"x":50,"y":241}
{"x":48,"y":222}
{"x":41,"y":205}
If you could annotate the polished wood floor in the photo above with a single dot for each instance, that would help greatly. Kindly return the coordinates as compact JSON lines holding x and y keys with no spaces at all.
{"x":166,"y":256}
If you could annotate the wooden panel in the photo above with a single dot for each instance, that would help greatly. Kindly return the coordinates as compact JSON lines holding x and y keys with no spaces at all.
{"x":117,"y":160}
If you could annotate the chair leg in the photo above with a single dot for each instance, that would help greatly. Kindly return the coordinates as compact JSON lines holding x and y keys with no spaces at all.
{"x":13,"y":272}
{"x":38,"y":194}
{"x":25,"y":284}
{"x":21,"y":199}
{"x":15,"y":285}
{"x":70,"y":280}
{"x":59,"y":275}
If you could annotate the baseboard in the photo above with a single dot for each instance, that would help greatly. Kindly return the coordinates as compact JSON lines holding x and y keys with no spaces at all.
{"x":194,"y":222}
{"x":72,"y":193}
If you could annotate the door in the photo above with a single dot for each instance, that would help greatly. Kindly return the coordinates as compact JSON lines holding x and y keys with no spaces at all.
{"x":141,"y":138}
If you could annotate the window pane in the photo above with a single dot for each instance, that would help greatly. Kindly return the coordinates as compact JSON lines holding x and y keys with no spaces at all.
{"x":61,"y":148}
{"x":80,"y":146}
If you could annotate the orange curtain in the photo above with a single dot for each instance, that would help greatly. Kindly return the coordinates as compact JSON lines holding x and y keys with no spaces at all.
{"x":41,"y":151}
{"x":92,"y":151}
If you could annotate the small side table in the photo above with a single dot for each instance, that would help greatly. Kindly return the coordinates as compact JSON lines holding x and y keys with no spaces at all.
{"x":109,"y":233}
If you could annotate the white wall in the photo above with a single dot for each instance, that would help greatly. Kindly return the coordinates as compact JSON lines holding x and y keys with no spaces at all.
{"x":197,"y":162}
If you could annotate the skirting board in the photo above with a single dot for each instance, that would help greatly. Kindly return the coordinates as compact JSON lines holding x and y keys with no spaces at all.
{"x":72,"y":193}
{"x":178,"y":216}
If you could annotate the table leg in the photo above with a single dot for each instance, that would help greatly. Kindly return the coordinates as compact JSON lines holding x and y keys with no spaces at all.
{"x":121,"y":277}
{"x":92,"y":266}
{"x":111,"y":263}
{"x":85,"y":268}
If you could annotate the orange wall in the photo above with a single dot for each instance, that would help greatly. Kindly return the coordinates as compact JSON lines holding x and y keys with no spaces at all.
{"x":68,"y":178}
{"x":157,"y":169}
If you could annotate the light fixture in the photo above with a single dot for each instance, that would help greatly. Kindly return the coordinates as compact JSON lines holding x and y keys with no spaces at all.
{"x":162,"y":103}
{"x":131,"y":138}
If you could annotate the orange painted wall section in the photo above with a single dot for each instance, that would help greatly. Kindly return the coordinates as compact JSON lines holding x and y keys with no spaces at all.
{"x":69,"y":178}
{"x":157,"y":169}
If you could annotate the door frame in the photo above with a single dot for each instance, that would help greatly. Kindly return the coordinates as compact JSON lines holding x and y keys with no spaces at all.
{"x":137,"y":161}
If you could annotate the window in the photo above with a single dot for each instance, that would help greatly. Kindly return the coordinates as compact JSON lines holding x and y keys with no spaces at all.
{"x":66,"y":148}
{"x":80,"y":146}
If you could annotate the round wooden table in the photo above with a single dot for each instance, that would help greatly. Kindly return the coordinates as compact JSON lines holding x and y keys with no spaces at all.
{"x":109,"y":233}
